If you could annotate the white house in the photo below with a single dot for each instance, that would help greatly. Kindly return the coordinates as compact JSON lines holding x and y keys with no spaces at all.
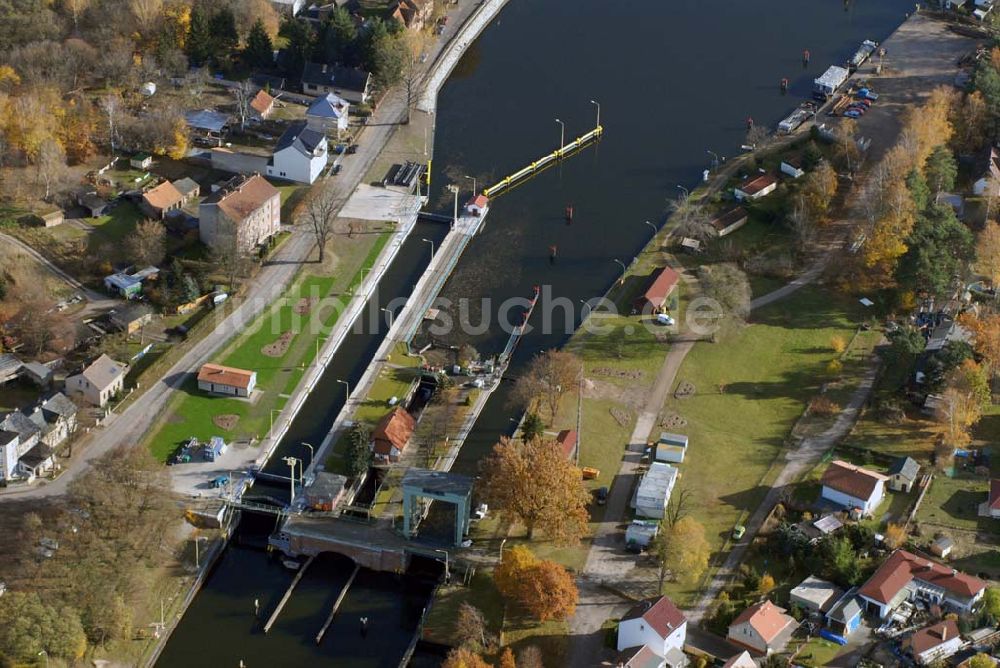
{"x":730,"y":221}
{"x":99,"y":382}
{"x":671,"y":447}
{"x":991,"y":507}
{"x":656,"y":623}
{"x":300,"y":155}
{"x":934,"y":642}
{"x":349,"y":83}
{"x":762,"y":628}
{"x":653,"y":493}
{"x":245,"y":207}
{"x":815,"y":594}
{"x":792,"y":168}
{"x":8,"y":454}
{"x":903,"y":473}
{"x":328,"y":113}
{"x":853,"y":487}
{"x":478,"y":205}
{"x":741,"y":660}
{"x":906,"y":576}
{"x":218,"y":379}
{"x":990,"y":175}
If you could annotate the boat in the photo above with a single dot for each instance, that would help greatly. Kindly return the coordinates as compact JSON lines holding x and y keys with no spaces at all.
{"x":291,"y":564}
{"x":863,"y":53}
{"x":802,"y":113}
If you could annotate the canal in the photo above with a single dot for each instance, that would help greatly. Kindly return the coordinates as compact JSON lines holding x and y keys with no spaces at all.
{"x":675,"y":80}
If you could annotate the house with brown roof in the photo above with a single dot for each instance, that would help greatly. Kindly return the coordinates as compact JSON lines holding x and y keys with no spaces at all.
{"x":245,"y":211}
{"x":756,"y":188}
{"x":853,"y":487}
{"x":657,"y":624}
{"x":161,"y":200}
{"x":730,"y":221}
{"x":934,"y":643}
{"x":566,"y":440}
{"x":742,"y":660}
{"x":261,"y":105}
{"x":905,"y":576}
{"x":654,"y":299}
{"x":412,"y":14}
{"x":639,"y":657}
{"x":991,"y":507}
{"x":762,"y":628}
{"x":391,"y":435}
{"x":227,"y":380}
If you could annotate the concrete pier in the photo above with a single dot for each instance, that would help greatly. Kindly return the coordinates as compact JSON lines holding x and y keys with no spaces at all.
{"x":336,"y":604}
{"x":288,"y":594}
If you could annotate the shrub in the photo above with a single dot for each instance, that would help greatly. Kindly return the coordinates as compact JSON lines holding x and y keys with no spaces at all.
{"x":824,"y":406}
{"x":838,"y":344}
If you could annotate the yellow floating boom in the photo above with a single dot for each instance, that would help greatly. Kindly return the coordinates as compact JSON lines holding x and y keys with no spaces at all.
{"x":544,"y":162}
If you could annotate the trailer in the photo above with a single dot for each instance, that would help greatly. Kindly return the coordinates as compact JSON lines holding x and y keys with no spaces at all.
{"x":802,"y":113}
{"x":827,"y":84}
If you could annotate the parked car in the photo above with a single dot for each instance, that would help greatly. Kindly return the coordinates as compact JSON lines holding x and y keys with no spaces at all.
{"x":852,"y":113}
{"x":601,"y":495}
{"x":738,"y":531}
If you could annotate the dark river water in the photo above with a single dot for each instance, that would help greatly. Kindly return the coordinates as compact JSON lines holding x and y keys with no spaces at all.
{"x":675,"y":79}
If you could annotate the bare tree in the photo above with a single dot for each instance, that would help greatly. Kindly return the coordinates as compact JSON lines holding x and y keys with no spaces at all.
{"x":690,"y":219}
{"x":678,"y":507}
{"x":76,"y":7}
{"x":147,"y":245}
{"x":50,"y":163}
{"x":320,"y":212}
{"x":757,"y":135}
{"x":112,"y":106}
{"x":550,"y":375}
{"x":244,"y":95}
{"x":801,"y":222}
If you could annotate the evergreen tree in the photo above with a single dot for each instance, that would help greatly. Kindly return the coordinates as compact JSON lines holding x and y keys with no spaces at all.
{"x":225,"y":37}
{"x":301,"y":40}
{"x":199,"y":42}
{"x":941,"y":169}
{"x":259,"y":51}
{"x":342,"y":33}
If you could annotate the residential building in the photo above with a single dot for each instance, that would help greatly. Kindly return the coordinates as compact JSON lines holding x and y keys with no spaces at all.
{"x":762,"y":628}
{"x":326,"y":491}
{"x":654,"y":299}
{"x":639,"y":657}
{"x":37,"y":461}
{"x":94,"y":205}
{"x":730,"y":221}
{"x":10,"y":368}
{"x":814,"y":594}
{"x":300,"y":155}
{"x":244,"y":212}
{"x":30,"y":455}
{"x":990,"y":179}
{"x":208,"y":126}
{"x":56,"y":419}
{"x":412,"y":14}
{"x":188,"y":188}
{"x":52,"y":218}
{"x":756,"y":188}
{"x":8,"y":454}
{"x":792,"y":168}
{"x":942,"y":546}
{"x":349,"y":83}
{"x":328,"y":113}
{"x":853,"y":487}
{"x":218,"y":379}
{"x":656,"y":623}
{"x":989,"y":508}
{"x":741,"y":660}
{"x":671,"y":447}
{"x":844,"y":617}
{"x":906,"y":576}
{"x":653,"y":493}
{"x":99,"y":382}
{"x":131,"y":318}
{"x":903,"y":473}
{"x":391,"y":435}
{"x":261,"y":105}
{"x":289,"y":7}
{"x":141,"y":161}
{"x":933,"y":643}
{"x":566,"y":440}
{"x":161,"y":200}
{"x":129,"y":286}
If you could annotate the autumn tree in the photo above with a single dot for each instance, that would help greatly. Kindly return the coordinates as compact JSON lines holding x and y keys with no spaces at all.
{"x":464,"y":658}
{"x":819,"y":189}
{"x":530,"y":657}
{"x":30,"y":627}
{"x":320,"y":213}
{"x":973,"y":131}
{"x":147,"y":244}
{"x":507,"y":658}
{"x":359,"y":452}
{"x":986,"y":332}
{"x":547,"y":591}
{"x":514,"y":563}
{"x":549,"y":376}
{"x":766,"y":584}
{"x":895,"y":536}
{"x":470,"y":629}
{"x":682,"y":551}
{"x":964,"y":399}
{"x":533,"y":483}
{"x":982,"y":660}
{"x":988,"y":253}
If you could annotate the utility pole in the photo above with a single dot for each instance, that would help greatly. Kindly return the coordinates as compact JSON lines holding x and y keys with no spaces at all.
{"x":579,"y":418}
{"x":454,"y":190}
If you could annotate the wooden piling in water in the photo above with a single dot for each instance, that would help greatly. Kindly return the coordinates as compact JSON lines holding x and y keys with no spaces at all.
{"x":288,"y":594}
{"x":336,"y":605}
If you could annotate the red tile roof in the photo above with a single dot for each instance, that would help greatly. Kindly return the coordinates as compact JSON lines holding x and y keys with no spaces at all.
{"x":567,"y":441}
{"x":262,"y":102}
{"x":479,"y":200}
{"x":660,"y":613}
{"x":994,"y":501}
{"x":662,"y":286}
{"x":393,"y":431}
{"x":225,"y":375}
{"x":851,"y":480}
{"x":767,"y":619}
{"x":163,"y":196}
{"x":932,"y":636}
{"x":902,"y":567}
{"x":729,"y":218}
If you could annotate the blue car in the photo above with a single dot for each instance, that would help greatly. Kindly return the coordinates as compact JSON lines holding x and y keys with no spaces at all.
{"x":852,"y":113}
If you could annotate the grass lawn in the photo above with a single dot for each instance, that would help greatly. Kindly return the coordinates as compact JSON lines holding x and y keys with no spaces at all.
{"x":302,"y":320}
{"x":482,"y":593}
{"x":391,"y":382}
{"x":817,"y":652}
{"x":749,"y":390}
{"x":115,"y":226}
{"x":954,"y":502}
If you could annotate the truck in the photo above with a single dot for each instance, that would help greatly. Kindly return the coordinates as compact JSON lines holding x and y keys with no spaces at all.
{"x":828,"y":83}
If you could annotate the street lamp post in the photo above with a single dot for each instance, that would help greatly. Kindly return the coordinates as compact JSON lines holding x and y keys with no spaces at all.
{"x":447,"y":573}
{"x":501,"y":548}
{"x":598,"y":105}
{"x":197,"y":552}
{"x":291,"y":464}
{"x":388,"y":314}
{"x":347,"y":387}
{"x":312,"y":452}
{"x":432,"y":247}
{"x":646,"y":222}
{"x":453,"y":189}
{"x":46,"y":655}
{"x":562,"y":134}
{"x":624,"y":269}
{"x":715,"y":159}
{"x":474,"y":184}
{"x":687,"y":193}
